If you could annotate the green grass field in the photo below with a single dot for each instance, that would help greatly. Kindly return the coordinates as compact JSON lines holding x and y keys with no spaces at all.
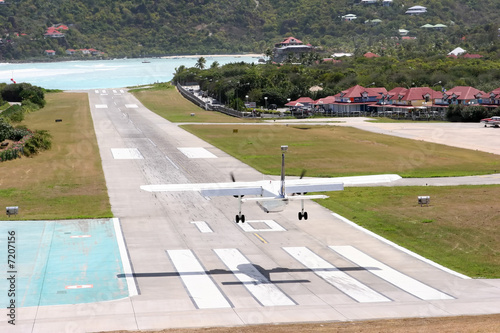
{"x":459,"y":229}
{"x":64,"y":182}
{"x":334,"y":151}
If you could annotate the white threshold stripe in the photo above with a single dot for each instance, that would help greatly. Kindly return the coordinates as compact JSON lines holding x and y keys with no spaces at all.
{"x":400,"y":280}
{"x":202,"y":226}
{"x":200,"y":286}
{"x":257,"y":284}
{"x":388,"y":242}
{"x":331,"y":274}
{"x":127,"y":269}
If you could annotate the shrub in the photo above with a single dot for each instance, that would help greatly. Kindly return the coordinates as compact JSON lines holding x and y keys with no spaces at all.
{"x":5,"y":130}
{"x":39,"y":141}
{"x":19,"y":92}
{"x":14,"y":113}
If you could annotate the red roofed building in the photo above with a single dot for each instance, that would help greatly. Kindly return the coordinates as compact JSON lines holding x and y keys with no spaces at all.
{"x":370,"y":55}
{"x":50,"y":52}
{"x":53,"y":33}
{"x":415,"y":97}
{"x":464,"y":95}
{"x":290,"y":46}
{"x":354,"y":100}
{"x":472,"y":56}
{"x":289,"y":41}
{"x":493,"y":98}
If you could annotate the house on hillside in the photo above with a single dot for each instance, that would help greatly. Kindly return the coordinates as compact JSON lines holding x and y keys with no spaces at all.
{"x":370,"y":55}
{"x":50,"y":52}
{"x":416,"y":10}
{"x":349,"y":17}
{"x":457,"y":51}
{"x":290,"y":46}
{"x":52,"y":32}
{"x":472,"y":56}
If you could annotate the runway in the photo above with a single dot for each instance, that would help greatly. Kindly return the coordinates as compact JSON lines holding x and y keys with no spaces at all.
{"x":194,"y":267}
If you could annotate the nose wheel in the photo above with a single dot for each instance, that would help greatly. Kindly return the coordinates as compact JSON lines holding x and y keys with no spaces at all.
{"x":302,"y":214}
{"x":240,"y":218}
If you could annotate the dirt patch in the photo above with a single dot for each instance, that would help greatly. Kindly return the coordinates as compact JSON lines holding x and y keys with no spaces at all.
{"x":463,"y":324}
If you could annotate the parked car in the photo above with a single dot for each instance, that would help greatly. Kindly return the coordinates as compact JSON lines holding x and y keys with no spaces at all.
{"x":272,"y":107}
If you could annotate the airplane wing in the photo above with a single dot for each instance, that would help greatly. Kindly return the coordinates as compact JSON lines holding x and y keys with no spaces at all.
{"x":334,"y":184}
{"x":210,"y":189}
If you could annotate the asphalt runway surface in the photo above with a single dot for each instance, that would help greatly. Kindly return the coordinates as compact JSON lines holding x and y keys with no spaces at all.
{"x":193,"y":266}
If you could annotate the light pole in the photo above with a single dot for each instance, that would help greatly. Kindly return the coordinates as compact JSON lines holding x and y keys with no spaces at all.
{"x":265,"y":100}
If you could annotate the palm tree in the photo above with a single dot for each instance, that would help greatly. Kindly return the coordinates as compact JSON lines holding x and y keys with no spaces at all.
{"x":200,"y":63}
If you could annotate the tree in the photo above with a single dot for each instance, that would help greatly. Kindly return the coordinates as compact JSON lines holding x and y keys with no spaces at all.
{"x":201,"y":63}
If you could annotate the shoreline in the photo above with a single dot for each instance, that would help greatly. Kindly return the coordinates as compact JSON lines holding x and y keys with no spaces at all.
{"x":255,"y":55}
{"x":186,"y":56}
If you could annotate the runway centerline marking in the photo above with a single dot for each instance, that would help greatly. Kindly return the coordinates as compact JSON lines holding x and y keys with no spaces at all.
{"x":400,"y":280}
{"x":196,"y":152}
{"x":126,"y":154}
{"x":264,"y":291}
{"x":203,"y":291}
{"x":202,"y":226}
{"x":131,"y":106}
{"x":260,"y":238}
{"x":331,"y":274}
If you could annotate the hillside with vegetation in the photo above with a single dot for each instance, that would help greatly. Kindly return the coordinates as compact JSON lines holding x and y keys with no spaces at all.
{"x":169,"y":27}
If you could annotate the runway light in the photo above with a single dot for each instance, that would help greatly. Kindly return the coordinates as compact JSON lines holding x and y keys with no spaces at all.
{"x":284,"y":149}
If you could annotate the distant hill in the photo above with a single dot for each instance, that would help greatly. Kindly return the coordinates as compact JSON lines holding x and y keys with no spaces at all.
{"x":159,"y":27}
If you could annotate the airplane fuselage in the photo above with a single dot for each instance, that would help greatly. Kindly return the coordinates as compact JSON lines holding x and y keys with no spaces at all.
{"x":273,"y":206}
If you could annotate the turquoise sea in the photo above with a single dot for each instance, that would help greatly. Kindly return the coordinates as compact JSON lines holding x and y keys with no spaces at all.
{"x":97,"y":74}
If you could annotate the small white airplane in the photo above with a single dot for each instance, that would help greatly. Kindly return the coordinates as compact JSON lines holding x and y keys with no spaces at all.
{"x":273,"y":196}
{"x":493,"y":121}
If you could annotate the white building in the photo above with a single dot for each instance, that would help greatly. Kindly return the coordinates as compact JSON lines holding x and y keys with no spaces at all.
{"x":416,"y":10}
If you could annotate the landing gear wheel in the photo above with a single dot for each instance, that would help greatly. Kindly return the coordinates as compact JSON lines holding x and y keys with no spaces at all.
{"x":305,"y":215}
{"x":237,"y":219}
{"x":242,"y":218}
{"x":300,"y":216}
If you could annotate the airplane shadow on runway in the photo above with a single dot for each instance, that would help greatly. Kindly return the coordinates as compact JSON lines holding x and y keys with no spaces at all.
{"x":256,"y":272}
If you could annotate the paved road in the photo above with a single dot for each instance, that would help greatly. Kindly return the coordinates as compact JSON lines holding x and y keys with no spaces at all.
{"x":193,"y":266}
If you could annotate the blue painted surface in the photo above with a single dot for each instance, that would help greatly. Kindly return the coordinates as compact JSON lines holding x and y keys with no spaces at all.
{"x":48,"y":260}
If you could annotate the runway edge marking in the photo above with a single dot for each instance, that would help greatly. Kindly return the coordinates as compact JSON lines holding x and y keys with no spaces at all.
{"x":388,"y":242}
{"x":127,"y":269}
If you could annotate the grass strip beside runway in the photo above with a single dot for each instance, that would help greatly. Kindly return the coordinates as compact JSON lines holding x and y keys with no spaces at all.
{"x":342,"y":151}
{"x":65,"y":182}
